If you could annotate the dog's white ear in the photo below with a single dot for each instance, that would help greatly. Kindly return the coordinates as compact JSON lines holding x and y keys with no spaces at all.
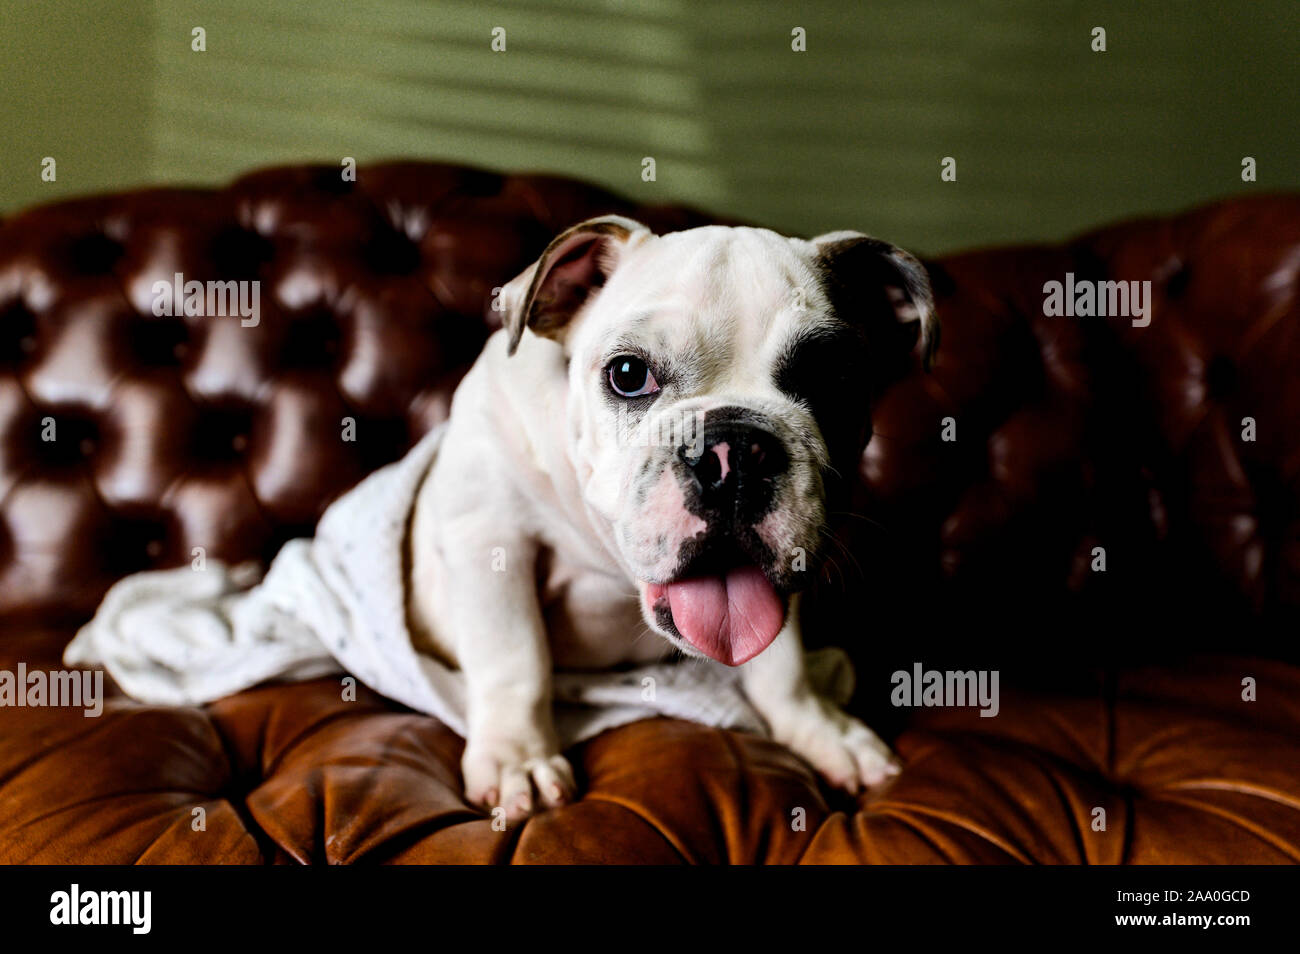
{"x":858,"y":269}
{"x":547,"y":294}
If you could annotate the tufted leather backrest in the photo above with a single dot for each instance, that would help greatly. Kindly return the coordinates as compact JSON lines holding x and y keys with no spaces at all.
{"x":129,"y":440}
{"x":1138,"y":486}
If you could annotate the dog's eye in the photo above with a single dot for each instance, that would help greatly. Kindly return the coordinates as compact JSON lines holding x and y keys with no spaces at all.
{"x":630,"y":377}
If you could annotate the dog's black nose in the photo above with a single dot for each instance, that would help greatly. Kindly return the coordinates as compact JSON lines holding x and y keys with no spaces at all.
{"x":735,"y":466}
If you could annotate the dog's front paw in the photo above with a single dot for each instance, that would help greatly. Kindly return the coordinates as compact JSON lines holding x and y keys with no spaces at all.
{"x":848,"y":754}
{"x":516,"y":776}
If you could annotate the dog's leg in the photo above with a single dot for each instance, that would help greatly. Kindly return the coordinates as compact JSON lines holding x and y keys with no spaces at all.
{"x":512,"y":758}
{"x":837,"y":745}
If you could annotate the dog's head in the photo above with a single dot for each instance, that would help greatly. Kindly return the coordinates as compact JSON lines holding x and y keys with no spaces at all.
{"x":719,"y":389}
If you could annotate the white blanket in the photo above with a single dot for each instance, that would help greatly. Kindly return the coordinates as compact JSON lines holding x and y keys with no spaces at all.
{"x":337,"y":603}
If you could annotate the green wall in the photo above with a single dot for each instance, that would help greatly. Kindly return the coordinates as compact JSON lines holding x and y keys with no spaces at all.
{"x":1049,"y":137}
{"x":76,"y":81}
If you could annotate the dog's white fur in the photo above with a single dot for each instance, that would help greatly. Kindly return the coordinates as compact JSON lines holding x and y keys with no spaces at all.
{"x":540,"y":526}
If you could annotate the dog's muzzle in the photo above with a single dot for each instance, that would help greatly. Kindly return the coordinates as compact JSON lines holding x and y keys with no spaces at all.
{"x":722,"y":600}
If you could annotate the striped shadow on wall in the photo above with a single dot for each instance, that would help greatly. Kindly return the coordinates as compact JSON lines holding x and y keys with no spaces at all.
{"x":1048,"y":135}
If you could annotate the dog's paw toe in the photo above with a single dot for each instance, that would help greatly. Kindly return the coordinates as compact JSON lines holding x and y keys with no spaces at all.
{"x":516,"y":781}
{"x":843,"y":750}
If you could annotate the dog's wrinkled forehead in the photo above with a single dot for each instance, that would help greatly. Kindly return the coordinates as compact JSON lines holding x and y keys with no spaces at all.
{"x":717,"y":294}
{"x":711,"y":298}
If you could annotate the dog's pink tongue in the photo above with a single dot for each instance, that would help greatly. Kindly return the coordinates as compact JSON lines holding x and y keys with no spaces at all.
{"x":729,"y":618}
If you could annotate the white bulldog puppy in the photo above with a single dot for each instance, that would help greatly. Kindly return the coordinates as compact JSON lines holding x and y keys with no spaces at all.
{"x":642,"y":461}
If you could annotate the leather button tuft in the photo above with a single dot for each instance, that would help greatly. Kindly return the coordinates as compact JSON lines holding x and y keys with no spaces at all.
{"x":392,"y":253}
{"x":1177,"y":282}
{"x":311,"y":341}
{"x":17,"y":333}
{"x":65,"y":438}
{"x":158,"y":342}
{"x":93,"y":254}
{"x":239,"y":253}
{"x":134,"y":543}
{"x":481,"y":184}
{"x":1220,"y":377}
{"x":329,"y":179}
{"x":221,"y":433}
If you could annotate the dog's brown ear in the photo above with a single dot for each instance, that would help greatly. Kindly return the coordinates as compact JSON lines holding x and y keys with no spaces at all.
{"x":867,"y":278}
{"x":571,"y":270}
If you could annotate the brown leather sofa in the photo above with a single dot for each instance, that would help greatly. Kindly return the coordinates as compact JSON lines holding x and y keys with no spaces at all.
{"x":1122,"y":689}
